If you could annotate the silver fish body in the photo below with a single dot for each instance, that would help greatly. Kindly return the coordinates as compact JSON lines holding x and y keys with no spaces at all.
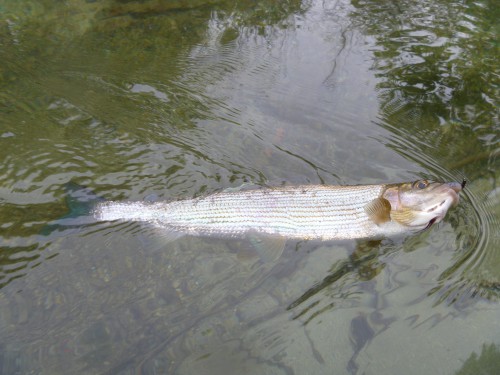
{"x":302,"y":212}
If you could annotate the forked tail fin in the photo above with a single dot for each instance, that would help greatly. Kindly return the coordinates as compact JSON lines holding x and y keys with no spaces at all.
{"x":80,"y":202}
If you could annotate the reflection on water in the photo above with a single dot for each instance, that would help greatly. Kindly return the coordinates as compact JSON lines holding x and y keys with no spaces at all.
{"x":159,"y":100}
{"x":456,"y":119}
{"x":488,"y":361}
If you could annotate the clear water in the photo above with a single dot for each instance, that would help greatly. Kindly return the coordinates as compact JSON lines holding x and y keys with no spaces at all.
{"x":141,"y":99}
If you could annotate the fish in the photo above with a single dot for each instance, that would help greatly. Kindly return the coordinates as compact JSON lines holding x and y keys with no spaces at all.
{"x":303,"y":212}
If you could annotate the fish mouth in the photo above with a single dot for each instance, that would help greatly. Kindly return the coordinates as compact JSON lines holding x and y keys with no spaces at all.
{"x":455,"y":186}
{"x":451,"y":200}
{"x":432,"y":221}
{"x":455,"y":189}
{"x":452,"y":189}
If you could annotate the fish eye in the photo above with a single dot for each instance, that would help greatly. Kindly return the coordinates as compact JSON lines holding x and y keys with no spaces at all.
{"x":421,"y":184}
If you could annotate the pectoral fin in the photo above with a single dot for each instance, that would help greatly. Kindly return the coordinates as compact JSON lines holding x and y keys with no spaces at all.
{"x":379,"y":210}
{"x":154,"y":238}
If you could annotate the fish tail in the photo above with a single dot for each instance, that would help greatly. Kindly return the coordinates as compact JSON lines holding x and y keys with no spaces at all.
{"x":80,"y":202}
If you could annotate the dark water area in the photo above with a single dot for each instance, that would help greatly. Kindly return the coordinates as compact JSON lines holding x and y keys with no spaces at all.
{"x":161,"y":100}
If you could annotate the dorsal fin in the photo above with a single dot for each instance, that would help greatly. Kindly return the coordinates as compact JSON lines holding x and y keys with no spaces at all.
{"x":244,"y":187}
{"x":379,"y":210}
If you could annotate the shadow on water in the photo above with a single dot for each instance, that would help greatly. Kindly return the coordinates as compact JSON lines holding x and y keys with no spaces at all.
{"x":364,"y":263}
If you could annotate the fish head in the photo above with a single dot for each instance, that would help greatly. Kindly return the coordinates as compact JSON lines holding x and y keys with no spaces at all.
{"x":421,"y":203}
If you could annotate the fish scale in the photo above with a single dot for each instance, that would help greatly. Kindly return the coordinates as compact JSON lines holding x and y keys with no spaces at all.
{"x":321,"y":212}
{"x":302,"y":212}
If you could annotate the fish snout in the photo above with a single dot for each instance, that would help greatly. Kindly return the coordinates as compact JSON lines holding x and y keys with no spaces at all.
{"x":454,"y":189}
{"x":456,"y":186}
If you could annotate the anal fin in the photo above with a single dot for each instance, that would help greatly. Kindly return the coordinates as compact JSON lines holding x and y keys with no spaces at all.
{"x":158,"y":237}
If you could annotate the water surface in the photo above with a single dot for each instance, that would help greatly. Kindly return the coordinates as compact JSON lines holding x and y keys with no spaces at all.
{"x":161,"y":100}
